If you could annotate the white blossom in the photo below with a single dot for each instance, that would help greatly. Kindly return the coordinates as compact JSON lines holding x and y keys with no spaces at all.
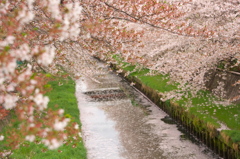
{"x":71,"y":27}
{"x":8,"y":40}
{"x":55,"y":144}
{"x":46,"y":142}
{"x":64,"y":137}
{"x":23,"y":53}
{"x":25,"y":74}
{"x":3,"y":7}
{"x":45,"y":132}
{"x":119,"y":71}
{"x":32,"y":124}
{"x":60,"y":125}
{"x":47,"y":57}
{"x":30,"y":138}
{"x":25,"y":16}
{"x":11,"y":87}
{"x":80,"y":134}
{"x":76,"y":126}
{"x":41,"y":101}
{"x":10,"y":101}
{"x":53,"y":7}
{"x":30,"y":4}
{"x":10,"y":68}
{"x":33,"y":82}
{"x":31,"y":118}
{"x":132,"y":84}
{"x":52,"y":144}
{"x":60,"y":111}
{"x":1,"y":137}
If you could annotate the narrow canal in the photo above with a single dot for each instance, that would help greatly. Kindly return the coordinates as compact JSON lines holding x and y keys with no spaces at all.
{"x":118,"y":122}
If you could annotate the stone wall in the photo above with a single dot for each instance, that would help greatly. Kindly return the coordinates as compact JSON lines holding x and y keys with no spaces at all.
{"x":231,"y":90}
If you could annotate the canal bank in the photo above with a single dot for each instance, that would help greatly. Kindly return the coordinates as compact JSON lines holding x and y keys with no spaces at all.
{"x":210,"y":130}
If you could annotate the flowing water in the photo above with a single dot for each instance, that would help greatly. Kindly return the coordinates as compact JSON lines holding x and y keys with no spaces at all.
{"x":118,"y":122}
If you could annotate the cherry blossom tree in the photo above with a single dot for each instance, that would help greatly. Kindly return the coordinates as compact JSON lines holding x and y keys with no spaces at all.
{"x":29,"y":31}
{"x":184,"y":39}
{"x":188,"y":59}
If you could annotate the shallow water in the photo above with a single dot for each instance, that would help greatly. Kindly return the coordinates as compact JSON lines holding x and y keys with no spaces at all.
{"x":131,"y":127}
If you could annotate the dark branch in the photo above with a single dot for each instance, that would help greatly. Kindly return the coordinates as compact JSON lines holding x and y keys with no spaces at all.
{"x":144,"y":22}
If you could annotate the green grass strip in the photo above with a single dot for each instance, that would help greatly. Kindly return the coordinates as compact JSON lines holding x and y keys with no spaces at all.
{"x":62,"y":96}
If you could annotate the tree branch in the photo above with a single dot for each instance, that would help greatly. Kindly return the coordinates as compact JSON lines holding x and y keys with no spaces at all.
{"x":142,"y":21}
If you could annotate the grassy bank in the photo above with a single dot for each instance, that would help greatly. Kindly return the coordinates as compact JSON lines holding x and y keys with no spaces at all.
{"x":62,"y":96}
{"x":202,"y":108}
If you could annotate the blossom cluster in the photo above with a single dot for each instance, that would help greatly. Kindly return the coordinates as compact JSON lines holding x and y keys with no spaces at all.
{"x":29,"y":31}
{"x":189,"y":60}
